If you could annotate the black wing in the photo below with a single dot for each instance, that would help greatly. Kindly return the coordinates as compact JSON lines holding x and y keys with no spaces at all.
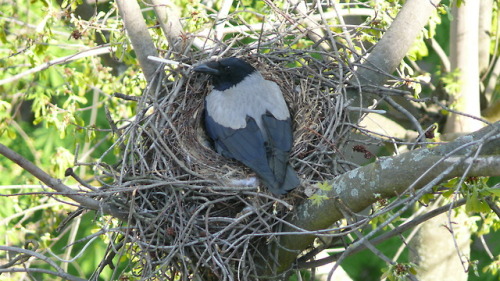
{"x":279,"y":144}
{"x":245,"y":145}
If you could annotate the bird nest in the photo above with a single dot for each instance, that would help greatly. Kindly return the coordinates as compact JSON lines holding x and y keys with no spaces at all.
{"x":195,"y":213}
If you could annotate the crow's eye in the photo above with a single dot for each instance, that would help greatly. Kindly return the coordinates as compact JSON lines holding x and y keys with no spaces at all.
{"x":227,"y":68}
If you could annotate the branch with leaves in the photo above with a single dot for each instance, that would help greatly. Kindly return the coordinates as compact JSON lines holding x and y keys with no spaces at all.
{"x":477,"y":154}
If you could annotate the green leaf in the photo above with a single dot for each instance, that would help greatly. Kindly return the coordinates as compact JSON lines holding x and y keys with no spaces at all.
{"x":91,"y":135}
{"x":38,"y":120}
{"x":426,"y":198}
{"x":40,"y":49}
{"x":61,"y":161}
{"x":476,"y":204}
{"x":490,"y":191}
{"x":451,"y":183}
{"x":318,"y":199}
{"x":448,"y":193}
{"x":8,"y":131}
{"x":3,"y":36}
{"x":325,"y":186}
{"x":54,"y":77}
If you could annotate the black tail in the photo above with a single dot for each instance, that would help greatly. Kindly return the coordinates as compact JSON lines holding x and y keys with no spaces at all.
{"x":290,"y":182}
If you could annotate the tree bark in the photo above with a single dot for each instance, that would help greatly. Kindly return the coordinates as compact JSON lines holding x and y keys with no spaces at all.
{"x":433,"y":249}
{"x":386,"y":178}
{"x":449,"y":261}
{"x":464,"y":57}
{"x":136,"y":28}
{"x":388,"y":53}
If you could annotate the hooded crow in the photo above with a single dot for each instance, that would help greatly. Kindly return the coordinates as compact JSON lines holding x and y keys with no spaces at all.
{"x":248,"y":120}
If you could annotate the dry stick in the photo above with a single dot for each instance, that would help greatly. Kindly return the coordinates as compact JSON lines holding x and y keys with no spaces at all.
{"x":57,"y":185}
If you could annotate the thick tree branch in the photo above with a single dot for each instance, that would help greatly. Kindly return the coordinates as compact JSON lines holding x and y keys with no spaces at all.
{"x":394,"y":45}
{"x":57,"y":185}
{"x":389,"y":177}
{"x":388,"y":53}
{"x":134,"y":22}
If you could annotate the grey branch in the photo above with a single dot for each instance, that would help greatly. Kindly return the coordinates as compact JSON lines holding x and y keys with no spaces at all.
{"x":394,"y":45}
{"x":388,"y":53}
{"x":384,"y":237}
{"x":389,"y":177}
{"x":97,"y":51}
{"x":137,"y":31}
{"x":60,"y":272}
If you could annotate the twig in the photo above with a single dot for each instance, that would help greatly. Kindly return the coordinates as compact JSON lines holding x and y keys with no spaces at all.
{"x":58,"y":185}
{"x":46,"y":271}
{"x":493,"y":206}
{"x":97,"y":51}
{"x":379,"y":239}
{"x":70,"y":172}
{"x":59,"y":272}
{"x":443,"y":57}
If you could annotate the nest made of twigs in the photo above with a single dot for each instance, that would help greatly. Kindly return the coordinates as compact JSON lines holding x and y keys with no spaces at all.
{"x":196,"y":213}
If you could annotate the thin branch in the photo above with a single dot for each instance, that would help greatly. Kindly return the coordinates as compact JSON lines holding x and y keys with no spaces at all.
{"x":60,"y":272}
{"x":493,"y":206}
{"x":97,"y":51}
{"x":57,"y":185}
{"x":46,"y":271}
{"x":388,"y":235}
{"x":443,"y":57}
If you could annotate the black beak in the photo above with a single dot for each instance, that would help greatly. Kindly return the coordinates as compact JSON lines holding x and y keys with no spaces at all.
{"x":208,"y":68}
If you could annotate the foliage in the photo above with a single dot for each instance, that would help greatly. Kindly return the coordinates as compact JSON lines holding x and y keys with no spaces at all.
{"x":399,"y":272}
{"x":56,"y":116}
